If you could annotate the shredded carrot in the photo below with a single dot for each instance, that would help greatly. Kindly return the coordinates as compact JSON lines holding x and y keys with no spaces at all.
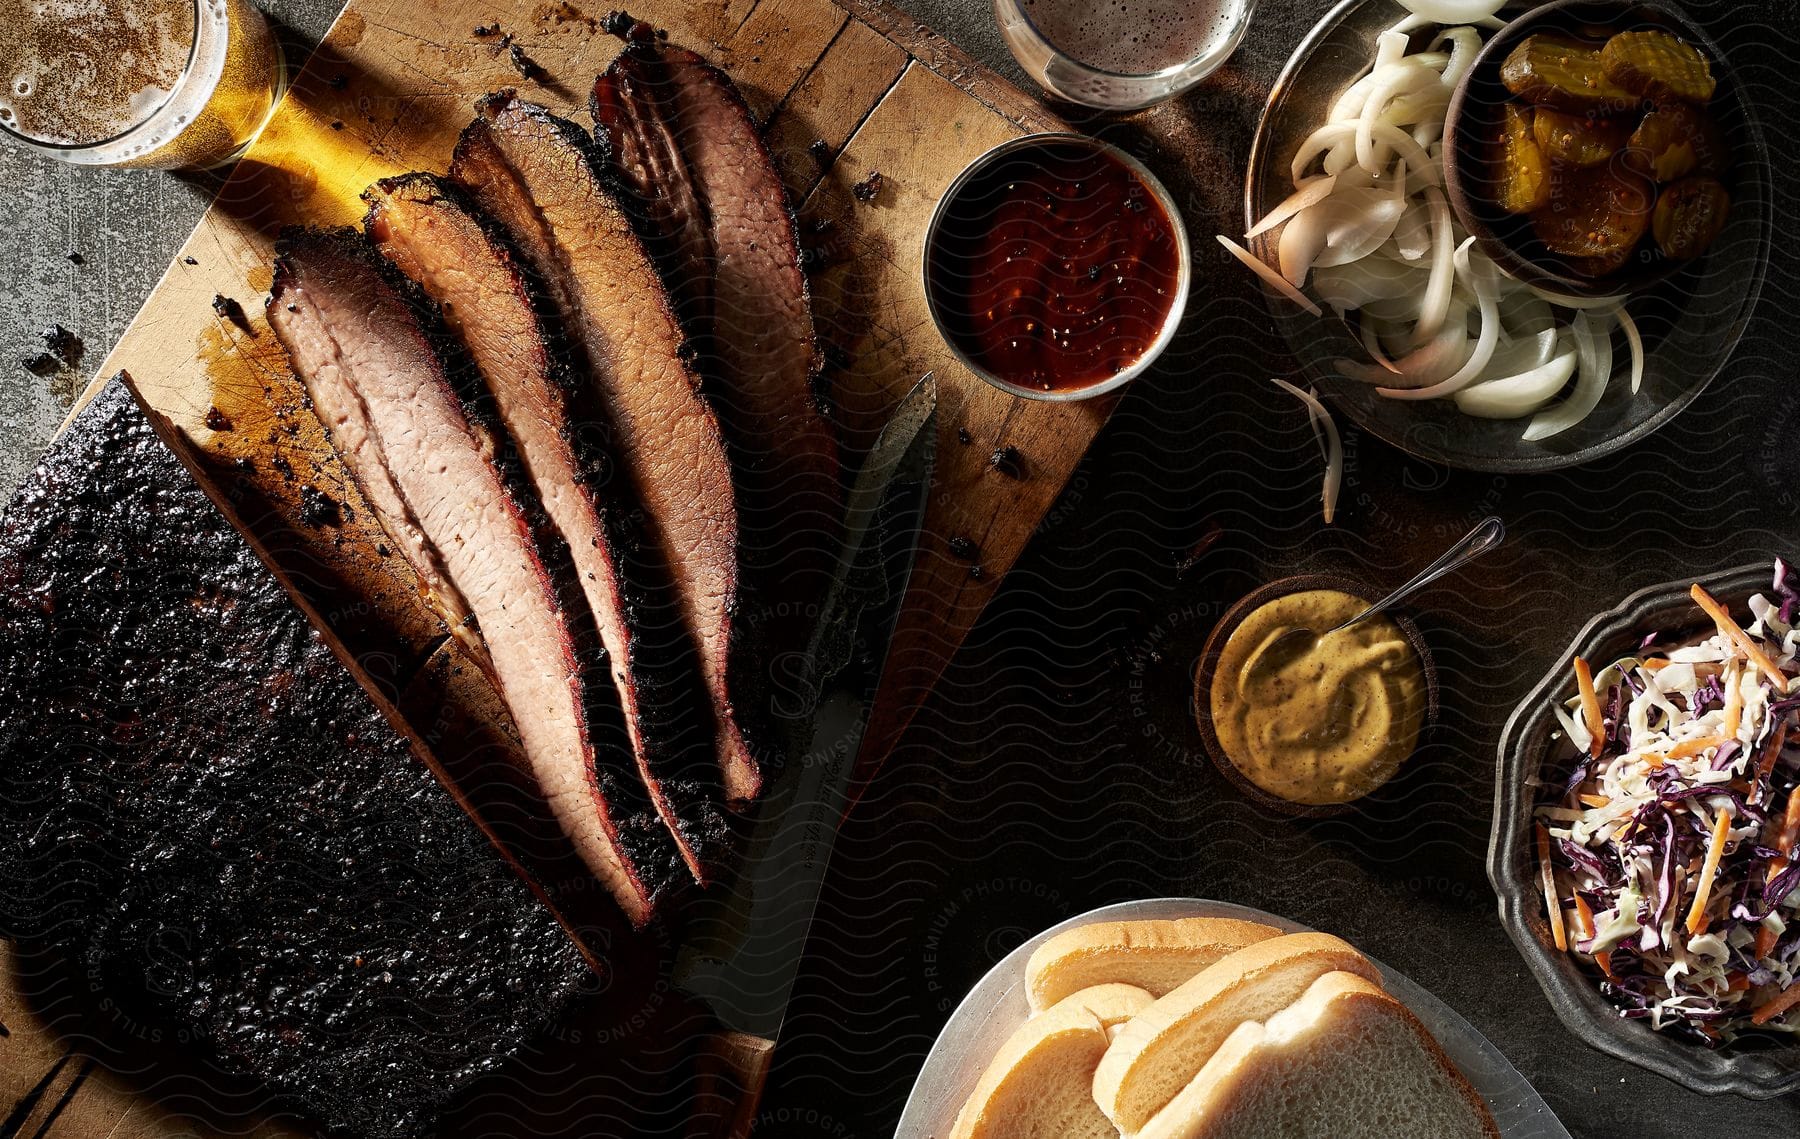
{"x":1687,"y":749}
{"x":1734,"y":704}
{"x":1776,"y":1005}
{"x":1772,"y":752}
{"x":1696,"y":918}
{"x":1584,"y":916}
{"x":1558,"y":932}
{"x":1584,"y":919}
{"x":1790,"y":831}
{"x":1765,"y":941}
{"x":1590,"y":706}
{"x":1736,"y":982}
{"x":1595,"y":801}
{"x":1742,"y":639}
{"x":1655,"y":664}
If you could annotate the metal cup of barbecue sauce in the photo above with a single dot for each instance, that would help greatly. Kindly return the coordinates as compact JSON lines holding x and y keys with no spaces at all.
{"x":161,"y":84}
{"x":1056,"y":267}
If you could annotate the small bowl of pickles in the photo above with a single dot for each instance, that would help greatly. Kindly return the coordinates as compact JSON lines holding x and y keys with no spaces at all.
{"x":1589,"y":149}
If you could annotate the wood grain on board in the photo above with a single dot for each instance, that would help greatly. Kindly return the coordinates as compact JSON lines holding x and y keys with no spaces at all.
{"x":388,"y":91}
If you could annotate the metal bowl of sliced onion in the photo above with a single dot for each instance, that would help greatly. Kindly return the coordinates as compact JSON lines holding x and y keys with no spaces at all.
{"x":1394,"y":312}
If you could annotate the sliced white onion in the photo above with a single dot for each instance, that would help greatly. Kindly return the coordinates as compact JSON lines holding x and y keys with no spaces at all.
{"x":1593,"y":348}
{"x":1270,"y":276}
{"x":1525,"y":313}
{"x":1453,"y":11}
{"x":1634,"y":340}
{"x":1365,"y":283}
{"x":1302,"y":240}
{"x":1480,"y":273}
{"x":1563,"y":300}
{"x":1363,"y":221}
{"x":1412,"y":234}
{"x":1389,"y":47}
{"x":1310,"y":193}
{"x":1333,"y":446}
{"x":1513,"y":396}
{"x":1429,"y":364}
{"x":1371,"y":342}
{"x":1436,"y":301}
{"x":1331,"y":137}
{"x":1526,"y":352}
{"x":1465,"y":43}
{"x":1410,"y":24}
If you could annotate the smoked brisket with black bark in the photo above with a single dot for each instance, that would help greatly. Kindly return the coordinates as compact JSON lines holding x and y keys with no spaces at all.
{"x":447,"y":491}
{"x":203,"y":811}
{"x":423,"y":225}
{"x":537,"y":177}
{"x":686,"y":153}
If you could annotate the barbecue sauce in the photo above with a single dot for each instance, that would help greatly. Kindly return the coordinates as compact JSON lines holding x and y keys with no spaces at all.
{"x":1054,"y":268}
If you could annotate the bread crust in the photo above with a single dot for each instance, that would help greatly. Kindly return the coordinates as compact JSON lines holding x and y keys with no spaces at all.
{"x":1047,"y":1065}
{"x":1151,"y":954}
{"x":1159,"y":1050}
{"x":1201,"y":1110}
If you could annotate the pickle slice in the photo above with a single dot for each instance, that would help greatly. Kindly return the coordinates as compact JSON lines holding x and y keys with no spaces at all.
{"x":1599,"y":212}
{"x":1579,"y":140}
{"x":1556,"y":71}
{"x":1675,"y":140}
{"x":1689,"y":215}
{"x":1522,"y":181}
{"x":1658,"y":66}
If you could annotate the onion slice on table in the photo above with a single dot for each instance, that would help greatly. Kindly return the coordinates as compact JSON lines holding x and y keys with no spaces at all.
{"x":1274,"y":279}
{"x":1332,"y":445}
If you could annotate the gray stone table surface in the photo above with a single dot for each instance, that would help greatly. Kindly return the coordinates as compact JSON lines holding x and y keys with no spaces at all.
{"x":1058,"y":768}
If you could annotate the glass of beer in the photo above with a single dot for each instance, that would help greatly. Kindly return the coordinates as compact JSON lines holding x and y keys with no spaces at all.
{"x":159,"y":84}
{"x":1121,"y":55}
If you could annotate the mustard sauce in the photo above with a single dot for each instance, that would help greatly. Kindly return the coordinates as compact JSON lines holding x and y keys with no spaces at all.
{"x":1320,"y":723}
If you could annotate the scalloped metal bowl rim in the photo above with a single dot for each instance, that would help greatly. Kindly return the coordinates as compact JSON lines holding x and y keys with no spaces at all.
{"x":1577,"y":1001}
{"x":1285,"y":315}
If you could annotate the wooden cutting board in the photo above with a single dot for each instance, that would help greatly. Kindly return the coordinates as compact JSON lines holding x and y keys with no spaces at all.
{"x":847,"y":89}
{"x":388,"y":90}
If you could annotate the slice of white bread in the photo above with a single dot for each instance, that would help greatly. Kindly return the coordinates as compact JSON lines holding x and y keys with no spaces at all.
{"x":1159,"y":1050}
{"x":1345,"y":1061}
{"x":1039,"y":1083}
{"x":1155,"y":955}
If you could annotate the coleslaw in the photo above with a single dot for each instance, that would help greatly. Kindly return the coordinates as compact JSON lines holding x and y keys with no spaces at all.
{"x":1669,"y":856}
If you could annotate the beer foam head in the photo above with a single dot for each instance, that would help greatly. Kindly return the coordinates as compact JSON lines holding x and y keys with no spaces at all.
{"x":77,"y":72}
{"x":1136,"y":37}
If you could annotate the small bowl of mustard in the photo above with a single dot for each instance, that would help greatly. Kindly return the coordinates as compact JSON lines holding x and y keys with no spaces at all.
{"x":1315,"y":731}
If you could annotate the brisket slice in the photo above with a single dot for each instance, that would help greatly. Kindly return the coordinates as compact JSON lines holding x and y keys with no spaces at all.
{"x":423,"y":225}
{"x":368,"y":358}
{"x":536,"y":176}
{"x":204,"y":813}
{"x":687,"y":156}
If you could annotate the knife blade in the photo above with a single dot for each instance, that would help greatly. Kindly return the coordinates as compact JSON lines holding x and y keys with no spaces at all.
{"x":744,"y":950}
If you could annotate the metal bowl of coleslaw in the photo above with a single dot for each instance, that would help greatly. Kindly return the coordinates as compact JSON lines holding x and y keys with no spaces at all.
{"x":1538,"y":758}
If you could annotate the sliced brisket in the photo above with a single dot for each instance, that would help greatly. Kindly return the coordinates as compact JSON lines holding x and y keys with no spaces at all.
{"x":687,"y":154}
{"x":536,"y":176}
{"x":439,"y":481}
{"x":205,"y":814}
{"x":424,"y":227}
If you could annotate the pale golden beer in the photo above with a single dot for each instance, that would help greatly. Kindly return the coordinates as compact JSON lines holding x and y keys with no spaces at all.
{"x":147,"y":83}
